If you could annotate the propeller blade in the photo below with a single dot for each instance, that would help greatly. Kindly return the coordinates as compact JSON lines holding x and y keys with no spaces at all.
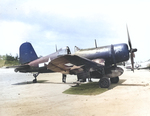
{"x":132,"y":61}
{"x":129,"y":41}
{"x":133,"y":55}
{"x":131,"y":50}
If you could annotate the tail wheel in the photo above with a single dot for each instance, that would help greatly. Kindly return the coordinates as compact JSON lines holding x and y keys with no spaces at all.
{"x":35,"y":75}
{"x":35,"y":81}
{"x":16,"y":70}
{"x":114,"y":80}
{"x":104,"y":82}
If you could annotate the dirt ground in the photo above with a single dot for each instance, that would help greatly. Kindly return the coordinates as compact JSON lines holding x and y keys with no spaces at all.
{"x":20,"y":97}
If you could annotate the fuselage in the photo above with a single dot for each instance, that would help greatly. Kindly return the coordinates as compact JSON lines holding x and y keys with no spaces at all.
{"x":119,"y":53}
{"x":110,"y":54}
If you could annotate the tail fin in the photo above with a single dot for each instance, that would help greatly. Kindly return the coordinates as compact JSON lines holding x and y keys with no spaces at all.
{"x":27,"y":53}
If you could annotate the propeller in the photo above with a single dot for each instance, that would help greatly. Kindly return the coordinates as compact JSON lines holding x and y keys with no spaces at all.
{"x":131,"y":50}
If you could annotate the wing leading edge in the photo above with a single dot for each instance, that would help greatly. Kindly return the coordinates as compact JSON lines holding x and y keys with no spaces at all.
{"x":69,"y":63}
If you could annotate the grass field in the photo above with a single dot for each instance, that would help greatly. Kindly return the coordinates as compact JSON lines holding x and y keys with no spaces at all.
{"x":86,"y":89}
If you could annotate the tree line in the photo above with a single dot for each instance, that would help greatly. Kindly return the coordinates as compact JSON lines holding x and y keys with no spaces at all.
{"x":9,"y":60}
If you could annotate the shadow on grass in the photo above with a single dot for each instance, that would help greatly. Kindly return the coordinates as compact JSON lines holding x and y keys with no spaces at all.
{"x":86,"y":89}
{"x":90,"y":88}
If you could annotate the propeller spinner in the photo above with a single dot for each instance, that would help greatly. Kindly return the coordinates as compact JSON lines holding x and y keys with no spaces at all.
{"x":131,"y":50}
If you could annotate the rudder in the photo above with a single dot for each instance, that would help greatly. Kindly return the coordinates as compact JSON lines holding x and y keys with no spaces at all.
{"x":27,"y":53}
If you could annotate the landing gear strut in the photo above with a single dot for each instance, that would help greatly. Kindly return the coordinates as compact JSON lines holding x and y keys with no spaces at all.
{"x":104,"y":82}
{"x":35,"y":80}
{"x":89,"y":79}
{"x":64,"y":78}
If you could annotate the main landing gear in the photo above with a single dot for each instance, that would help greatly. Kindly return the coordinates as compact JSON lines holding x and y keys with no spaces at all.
{"x":105,"y":82}
{"x":114,"y":80}
{"x":64,"y":78}
{"x":35,"y":75}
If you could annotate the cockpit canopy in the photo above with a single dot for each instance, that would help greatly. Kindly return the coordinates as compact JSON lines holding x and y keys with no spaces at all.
{"x":64,"y":51}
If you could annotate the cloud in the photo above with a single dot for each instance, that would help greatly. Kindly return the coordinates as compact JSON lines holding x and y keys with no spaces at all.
{"x":12,"y":34}
{"x":46,"y":23}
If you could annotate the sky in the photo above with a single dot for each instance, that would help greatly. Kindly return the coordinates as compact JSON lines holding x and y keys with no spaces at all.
{"x":47,"y":23}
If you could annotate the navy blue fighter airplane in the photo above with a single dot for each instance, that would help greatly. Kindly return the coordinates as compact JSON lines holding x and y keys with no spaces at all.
{"x":98,"y":62}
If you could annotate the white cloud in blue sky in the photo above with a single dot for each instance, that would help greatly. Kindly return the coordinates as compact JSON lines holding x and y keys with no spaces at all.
{"x":46,"y":23}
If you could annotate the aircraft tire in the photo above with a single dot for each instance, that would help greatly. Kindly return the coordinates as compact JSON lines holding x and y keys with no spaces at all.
{"x":114,"y":80}
{"x":104,"y":82}
{"x":35,"y":81}
{"x":16,"y":70}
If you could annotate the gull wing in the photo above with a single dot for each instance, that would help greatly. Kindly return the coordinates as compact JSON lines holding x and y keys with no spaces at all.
{"x":68,"y":63}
